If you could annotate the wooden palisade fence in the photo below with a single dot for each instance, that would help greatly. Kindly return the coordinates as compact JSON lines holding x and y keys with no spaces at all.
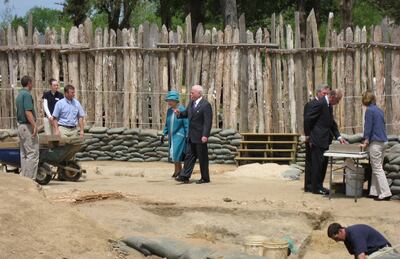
{"x":256,"y":81}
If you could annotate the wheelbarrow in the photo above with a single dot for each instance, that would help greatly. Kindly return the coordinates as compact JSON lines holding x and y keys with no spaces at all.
{"x":55,"y":152}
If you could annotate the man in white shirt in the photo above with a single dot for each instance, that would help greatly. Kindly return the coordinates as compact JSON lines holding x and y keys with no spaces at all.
{"x":50,"y":98}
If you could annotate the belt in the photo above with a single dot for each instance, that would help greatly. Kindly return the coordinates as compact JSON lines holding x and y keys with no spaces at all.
{"x":69,"y":127}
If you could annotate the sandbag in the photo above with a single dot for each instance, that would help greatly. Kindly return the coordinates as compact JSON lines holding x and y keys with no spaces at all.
{"x":391,"y":168}
{"x":395,"y":189}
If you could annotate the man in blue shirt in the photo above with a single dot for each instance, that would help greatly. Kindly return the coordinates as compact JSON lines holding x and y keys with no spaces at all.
{"x":362,"y":240}
{"x":67,"y":113}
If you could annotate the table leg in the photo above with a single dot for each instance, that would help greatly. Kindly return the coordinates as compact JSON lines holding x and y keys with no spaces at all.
{"x":355,"y":194}
{"x":330,"y":178}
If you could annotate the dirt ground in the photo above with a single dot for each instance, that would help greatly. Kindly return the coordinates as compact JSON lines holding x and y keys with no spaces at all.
{"x":253,"y":200}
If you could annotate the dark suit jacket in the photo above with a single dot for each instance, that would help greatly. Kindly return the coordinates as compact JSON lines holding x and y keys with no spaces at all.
{"x":200,"y":120}
{"x":320,"y":124}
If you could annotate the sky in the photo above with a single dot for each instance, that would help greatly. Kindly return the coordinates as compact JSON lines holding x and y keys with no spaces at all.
{"x":20,"y":7}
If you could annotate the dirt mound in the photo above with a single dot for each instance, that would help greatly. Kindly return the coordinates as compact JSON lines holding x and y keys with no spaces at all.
{"x":34,"y":227}
{"x":263,"y":171}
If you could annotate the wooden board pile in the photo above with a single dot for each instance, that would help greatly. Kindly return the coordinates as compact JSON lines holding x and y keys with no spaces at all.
{"x":144,"y":145}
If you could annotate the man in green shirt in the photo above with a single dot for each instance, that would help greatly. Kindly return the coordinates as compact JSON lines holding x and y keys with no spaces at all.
{"x":27,"y":130}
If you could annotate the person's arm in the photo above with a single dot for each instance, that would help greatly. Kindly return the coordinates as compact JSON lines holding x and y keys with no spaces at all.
{"x":207,"y":123}
{"x":55,"y":115}
{"x":81,"y":129}
{"x":367,"y":126}
{"x":46,"y":109}
{"x":31,"y":120}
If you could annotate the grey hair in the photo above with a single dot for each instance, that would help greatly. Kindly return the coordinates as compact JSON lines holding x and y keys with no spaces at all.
{"x":198,"y":88}
{"x":320,"y":87}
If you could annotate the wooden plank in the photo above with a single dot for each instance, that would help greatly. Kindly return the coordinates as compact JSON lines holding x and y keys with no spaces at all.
{"x":370,"y":63}
{"x":133,"y":97}
{"x":318,"y":77}
{"x":38,"y":74}
{"x":349,"y":88}
{"x":275,"y":107}
{"x":213,"y":71}
{"x":98,"y":79}
{"x":141,"y":79}
{"x":357,"y":84}
{"x":83,"y":74}
{"x":252,"y":94}
{"x":119,"y":82}
{"x":146,"y":78}
{"x":285,"y":77}
{"x":334,"y":62}
{"x":154,"y":80}
{"x":291,"y":71}
{"x":112,"y":83}
{"x":163,"y":75}
{"x":180,"y":62}
{"x":258,"y":95}
{"x":13,"y":70}
{"x":379,"y":70}
{"x":106,"y":88}
{"x":396,"y":81}
{"x":218,"y":80}
{"x":189,"y":57}
{"x":197,"y":54}
{"x":386,"y":34}
{"x":73,"y":58}
{"x":328,"y":43}
{"x":279,"y":85}
{"x":127,"y":80}
{"x":245,"y":116}
{"x":29,"y":41}
{"x":172,"y":38}
{"x":227,"y":80}
{"x":268,"y":90}
{"x":205,"y":65}
{"x":90,"y":111}
{"x":299,"y":89}
{"x":21,"y":41}
{"x":340,"y":110}
{"x":364,"y":76}
{"x":64,"y":60}
{"x":309,"y":59}
{"x":234,"y":100}
{"x":5,"y":90}
{"x":55,"y":65}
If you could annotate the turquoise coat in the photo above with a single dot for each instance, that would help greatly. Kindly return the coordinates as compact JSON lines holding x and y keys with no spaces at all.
{"x":177,"y":130}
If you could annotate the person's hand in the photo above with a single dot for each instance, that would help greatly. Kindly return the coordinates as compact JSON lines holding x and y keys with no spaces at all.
{"x":307,"y":139}
{"x":204,"y":139}
{"x":34,"y":132}
{"x":57,"y":132}
{"x":363,"y":146}
{"x":162,"y":139}
{"x":343,"y":141}
{"x":177,"y":112}
{"x":51,"y":118}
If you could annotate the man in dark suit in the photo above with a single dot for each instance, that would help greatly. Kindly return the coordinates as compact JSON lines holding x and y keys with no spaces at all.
{"x":321,"y":91}
{"x":322,"y":128}
{"x":199,"y":113}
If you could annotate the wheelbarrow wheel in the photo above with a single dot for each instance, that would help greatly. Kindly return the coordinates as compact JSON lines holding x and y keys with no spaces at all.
{"x":44,"y":174}
{"x":69,"y":175}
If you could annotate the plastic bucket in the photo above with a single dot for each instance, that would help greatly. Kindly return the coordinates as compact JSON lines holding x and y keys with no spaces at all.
{"x":354,"y":182}
{"x":276,"y":249}
{"x":254,"y":245}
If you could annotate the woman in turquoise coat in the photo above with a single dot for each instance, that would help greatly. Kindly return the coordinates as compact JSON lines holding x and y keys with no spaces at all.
{"x":176,"y":130}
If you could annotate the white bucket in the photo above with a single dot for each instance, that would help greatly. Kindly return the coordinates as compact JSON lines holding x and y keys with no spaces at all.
{"x":276,"y":249}
{"x":354,"y":179}
{"x":253,"y":245}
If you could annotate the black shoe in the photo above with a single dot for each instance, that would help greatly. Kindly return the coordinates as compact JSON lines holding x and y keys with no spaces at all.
{"x":201,"y":181}
{"x":182,"y":179}
{"x":321,"y":192}
{"x":383,"y":199}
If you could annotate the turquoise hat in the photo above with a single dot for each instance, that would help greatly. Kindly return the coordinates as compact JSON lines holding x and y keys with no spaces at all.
{"x":172,"y":96}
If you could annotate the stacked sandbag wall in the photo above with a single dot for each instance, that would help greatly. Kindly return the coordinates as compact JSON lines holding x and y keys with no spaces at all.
{"x":391,"y":163}
{"x":144,"y":145}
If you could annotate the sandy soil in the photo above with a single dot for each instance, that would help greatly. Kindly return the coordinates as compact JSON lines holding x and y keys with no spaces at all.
{"x":152,"y":204}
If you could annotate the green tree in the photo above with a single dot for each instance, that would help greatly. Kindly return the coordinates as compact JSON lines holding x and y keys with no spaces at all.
{"x":77,"y":10}
{"x":119,"y":12}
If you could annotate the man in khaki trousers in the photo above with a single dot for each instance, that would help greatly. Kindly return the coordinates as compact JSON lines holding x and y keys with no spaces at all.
{"x":27,"y":130}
